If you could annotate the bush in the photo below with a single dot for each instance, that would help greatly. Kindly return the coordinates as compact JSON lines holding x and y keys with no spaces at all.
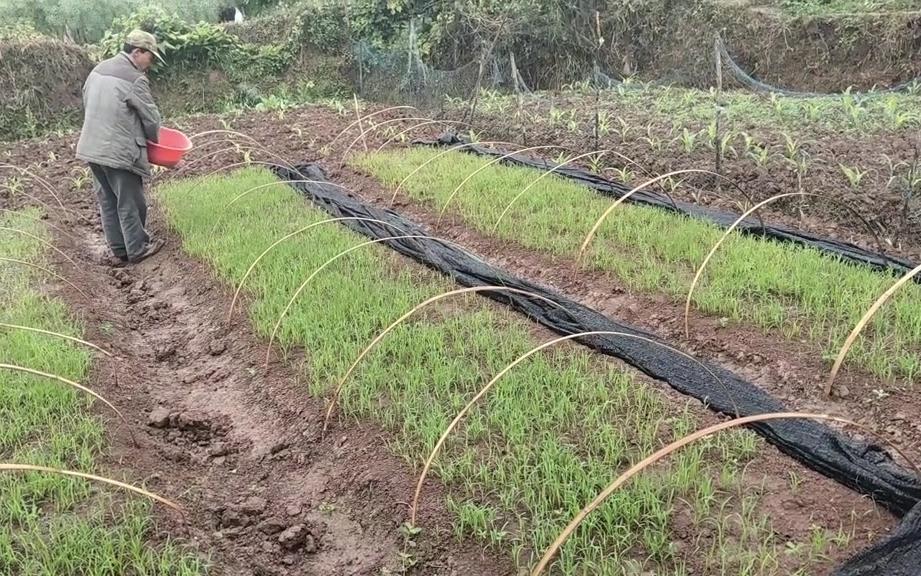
{"x":193,"y":47}
{"x":86,"y":22}
{"x":39,"y":93}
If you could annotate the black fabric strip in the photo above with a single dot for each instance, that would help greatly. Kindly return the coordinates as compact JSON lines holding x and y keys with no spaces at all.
{"x":863,"y":467}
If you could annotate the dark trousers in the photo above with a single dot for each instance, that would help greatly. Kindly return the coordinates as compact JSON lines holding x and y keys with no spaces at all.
{"x":123,"y":209}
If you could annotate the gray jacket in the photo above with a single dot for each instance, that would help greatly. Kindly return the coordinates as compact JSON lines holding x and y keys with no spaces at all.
{"x":120,"y":116}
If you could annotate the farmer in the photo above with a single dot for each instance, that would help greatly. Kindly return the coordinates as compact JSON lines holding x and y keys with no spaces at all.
{"x":120,"y":117}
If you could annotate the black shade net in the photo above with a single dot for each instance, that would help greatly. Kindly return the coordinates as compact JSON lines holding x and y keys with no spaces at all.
{"x":865,"y":468}
{"x":751,"y":226}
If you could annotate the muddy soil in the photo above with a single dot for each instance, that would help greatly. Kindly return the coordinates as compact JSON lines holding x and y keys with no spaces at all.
{"x":241,"y":445}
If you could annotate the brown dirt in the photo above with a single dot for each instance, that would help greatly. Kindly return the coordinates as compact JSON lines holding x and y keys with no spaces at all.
{"x":231,"y":431}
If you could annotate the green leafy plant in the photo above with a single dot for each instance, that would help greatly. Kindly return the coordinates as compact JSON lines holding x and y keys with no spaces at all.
{"x":188,"y":47}
{"x":688,"y":140}
{"x":853,"y":174}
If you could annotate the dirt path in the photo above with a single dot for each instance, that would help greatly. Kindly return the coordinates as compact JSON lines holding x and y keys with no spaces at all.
{"x":238,"y":445}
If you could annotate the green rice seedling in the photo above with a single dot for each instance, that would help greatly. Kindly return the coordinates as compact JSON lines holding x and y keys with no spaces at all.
{"x":537,"y":447}
{"x":482,"y":392}
{"x":51,"y":521}
{"x":751,"y":280}
{"x":852,"y":337}
{"x":480,"y":169}
{"x":42,"y":241}
{"x":7,"y":467}
{"x":71,"y":383}
{"x":551,"y":551}
{"x":47,"y":271}
{"x":401,"y":319}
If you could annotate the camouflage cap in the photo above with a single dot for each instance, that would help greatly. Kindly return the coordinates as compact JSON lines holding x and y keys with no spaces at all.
{"x":145,"y":41}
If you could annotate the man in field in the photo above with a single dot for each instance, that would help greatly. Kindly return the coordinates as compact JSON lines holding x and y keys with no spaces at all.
{"x":120,"y":117}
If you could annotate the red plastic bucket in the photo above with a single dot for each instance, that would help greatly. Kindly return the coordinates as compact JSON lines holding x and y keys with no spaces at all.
{"x":169,"y":151}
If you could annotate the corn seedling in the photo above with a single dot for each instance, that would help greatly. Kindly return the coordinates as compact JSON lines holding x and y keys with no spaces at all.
{"x":79,"y":178}
{"x":624,"y":174}
{"x":792,"y":147}
{"x":688,"y":140}
{"x":853,"y":174}
{"x":603,"y":123}
{"x":623,"y":130}
{"x":38,"y":180}
{"x":366,"y":117}
{"x":245,"y":150}
{"x":595,"y":164}
{"x":561,"y":158}
{"x":374,"y":128}
{"x":760,"y":154}
{"x":229,"y":133}
{"x":557,"y":116}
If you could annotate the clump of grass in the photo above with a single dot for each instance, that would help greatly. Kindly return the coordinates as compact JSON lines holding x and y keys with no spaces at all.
{"x":537,"y":448}
{"x":47,"y":423}
{"x":802,"y":292}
